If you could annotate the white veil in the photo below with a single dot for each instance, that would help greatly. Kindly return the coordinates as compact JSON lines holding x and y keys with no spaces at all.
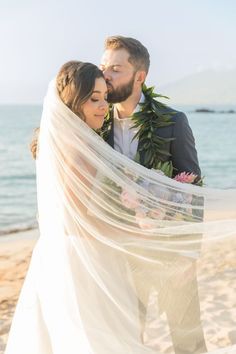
{"x":128,"y":260}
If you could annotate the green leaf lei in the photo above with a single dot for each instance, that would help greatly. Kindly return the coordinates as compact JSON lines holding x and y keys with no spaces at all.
{"x":152,"y":115}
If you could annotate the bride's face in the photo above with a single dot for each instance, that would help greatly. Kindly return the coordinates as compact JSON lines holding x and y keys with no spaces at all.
{"x":95,"y":108}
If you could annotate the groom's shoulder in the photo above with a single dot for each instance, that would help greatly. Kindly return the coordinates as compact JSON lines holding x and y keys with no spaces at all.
{"x":172,"y":111}
{"x":175,"y":115}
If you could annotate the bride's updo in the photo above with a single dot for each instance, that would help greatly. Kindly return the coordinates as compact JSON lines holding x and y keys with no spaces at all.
{"x":75,"y":84}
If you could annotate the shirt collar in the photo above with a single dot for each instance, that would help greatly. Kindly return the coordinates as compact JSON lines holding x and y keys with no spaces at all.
{"x":137,"y":109}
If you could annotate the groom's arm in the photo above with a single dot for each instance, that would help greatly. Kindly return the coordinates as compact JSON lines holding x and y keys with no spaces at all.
{"x":183,"y":150}
{"x":185,"y":159}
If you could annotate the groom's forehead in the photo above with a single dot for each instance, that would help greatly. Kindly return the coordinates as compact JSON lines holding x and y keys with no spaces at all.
{"x":114,"y":57}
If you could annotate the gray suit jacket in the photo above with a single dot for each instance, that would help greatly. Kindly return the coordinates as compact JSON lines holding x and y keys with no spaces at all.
{"x":183,"y":155}
{"x":182,"y":148}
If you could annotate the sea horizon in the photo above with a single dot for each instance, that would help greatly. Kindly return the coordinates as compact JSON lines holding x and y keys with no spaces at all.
{"x":214,"y":135}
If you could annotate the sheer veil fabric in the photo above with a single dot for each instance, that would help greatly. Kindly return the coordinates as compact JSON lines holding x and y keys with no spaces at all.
{"x":120,"y":246}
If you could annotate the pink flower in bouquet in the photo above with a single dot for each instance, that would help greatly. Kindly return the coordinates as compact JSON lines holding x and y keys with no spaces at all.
{"x":185,"y":177}
{"x":141,"y":218}
{"x":129,"y":200}
{"x":144,"y":218}
{"x":157,"y":214}
{"x":145,"y":224}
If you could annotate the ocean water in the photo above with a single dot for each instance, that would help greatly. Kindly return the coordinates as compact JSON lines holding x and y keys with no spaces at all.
{"x":215,"y":136}
{"x":17,"y":169}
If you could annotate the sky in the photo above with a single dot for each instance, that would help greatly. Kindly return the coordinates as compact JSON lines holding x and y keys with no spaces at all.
{"x":183,"y":37}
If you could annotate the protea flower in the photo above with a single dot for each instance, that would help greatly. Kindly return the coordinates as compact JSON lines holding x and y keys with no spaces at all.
{"x":129,"y":199}
{"x":185,"y":177}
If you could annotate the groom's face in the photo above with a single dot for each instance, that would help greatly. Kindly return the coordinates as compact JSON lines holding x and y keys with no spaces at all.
{"x":119,"y":74}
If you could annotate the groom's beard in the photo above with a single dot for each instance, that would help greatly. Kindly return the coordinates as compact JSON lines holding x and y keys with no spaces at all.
{"x":121,"y":93}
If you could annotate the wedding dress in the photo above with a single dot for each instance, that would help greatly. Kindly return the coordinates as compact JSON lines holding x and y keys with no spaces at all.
{"x":116,"y":242}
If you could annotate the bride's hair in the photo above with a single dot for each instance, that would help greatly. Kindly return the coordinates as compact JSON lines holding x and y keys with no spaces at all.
{"x":75,"y":84}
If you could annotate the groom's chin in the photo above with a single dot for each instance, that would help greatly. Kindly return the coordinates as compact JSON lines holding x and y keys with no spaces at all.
{"x":113,"y":98}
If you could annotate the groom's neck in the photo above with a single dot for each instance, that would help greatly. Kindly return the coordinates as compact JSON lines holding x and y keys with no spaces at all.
{"x":126,"y":108}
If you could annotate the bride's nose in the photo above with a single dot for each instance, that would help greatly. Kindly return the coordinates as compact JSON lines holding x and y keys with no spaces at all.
{"x":104,"y":105}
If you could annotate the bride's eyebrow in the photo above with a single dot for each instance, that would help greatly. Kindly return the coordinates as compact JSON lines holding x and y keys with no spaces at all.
{"x":99,"y":91}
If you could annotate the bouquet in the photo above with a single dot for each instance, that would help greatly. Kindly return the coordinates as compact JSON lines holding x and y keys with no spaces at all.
{"x":130,"y":202}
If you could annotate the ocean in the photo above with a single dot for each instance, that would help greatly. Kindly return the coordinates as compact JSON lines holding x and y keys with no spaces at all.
{"x":215,"y":136}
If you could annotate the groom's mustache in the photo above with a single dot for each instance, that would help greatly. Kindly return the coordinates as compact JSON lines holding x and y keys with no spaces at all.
{"x":109,"y":85}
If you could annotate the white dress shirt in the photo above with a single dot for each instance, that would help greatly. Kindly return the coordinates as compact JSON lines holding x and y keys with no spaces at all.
{"x":123,"y":133}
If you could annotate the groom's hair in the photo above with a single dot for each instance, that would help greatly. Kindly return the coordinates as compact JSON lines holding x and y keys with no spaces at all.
{"x":138,"y":54}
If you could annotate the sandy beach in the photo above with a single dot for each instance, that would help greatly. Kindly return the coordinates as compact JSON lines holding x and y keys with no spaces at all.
{"x":15,"y":254}
{"x":217,"y":289}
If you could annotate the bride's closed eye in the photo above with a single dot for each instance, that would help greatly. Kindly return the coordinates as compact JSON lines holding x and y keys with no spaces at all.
{"x":96,"y":99}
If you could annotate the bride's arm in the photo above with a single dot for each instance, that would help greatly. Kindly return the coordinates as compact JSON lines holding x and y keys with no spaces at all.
{"x":77,"y":191}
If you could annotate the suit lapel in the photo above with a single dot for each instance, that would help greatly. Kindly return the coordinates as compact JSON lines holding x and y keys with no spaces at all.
{"x":110,"y":139}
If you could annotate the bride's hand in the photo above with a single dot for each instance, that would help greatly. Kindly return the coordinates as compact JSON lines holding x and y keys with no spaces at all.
{"x":34,"y":143}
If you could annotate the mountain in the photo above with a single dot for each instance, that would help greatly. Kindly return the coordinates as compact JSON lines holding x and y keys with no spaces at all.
{"x":208,"y":87}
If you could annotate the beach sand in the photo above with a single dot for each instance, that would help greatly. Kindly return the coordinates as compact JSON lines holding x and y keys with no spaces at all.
{"x":15,"y":254}
{"x":217,"y":291}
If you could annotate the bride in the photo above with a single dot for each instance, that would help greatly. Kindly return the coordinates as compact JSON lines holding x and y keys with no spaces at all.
{"x":107,"y":227}
{"x":65,"y":305}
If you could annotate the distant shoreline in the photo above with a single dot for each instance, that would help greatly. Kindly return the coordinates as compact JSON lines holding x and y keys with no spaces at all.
{"x":16,"y":230}
{"x":208,"y":110}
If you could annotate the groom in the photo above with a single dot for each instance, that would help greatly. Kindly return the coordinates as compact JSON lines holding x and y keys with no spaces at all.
{"x":125,"y":64}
